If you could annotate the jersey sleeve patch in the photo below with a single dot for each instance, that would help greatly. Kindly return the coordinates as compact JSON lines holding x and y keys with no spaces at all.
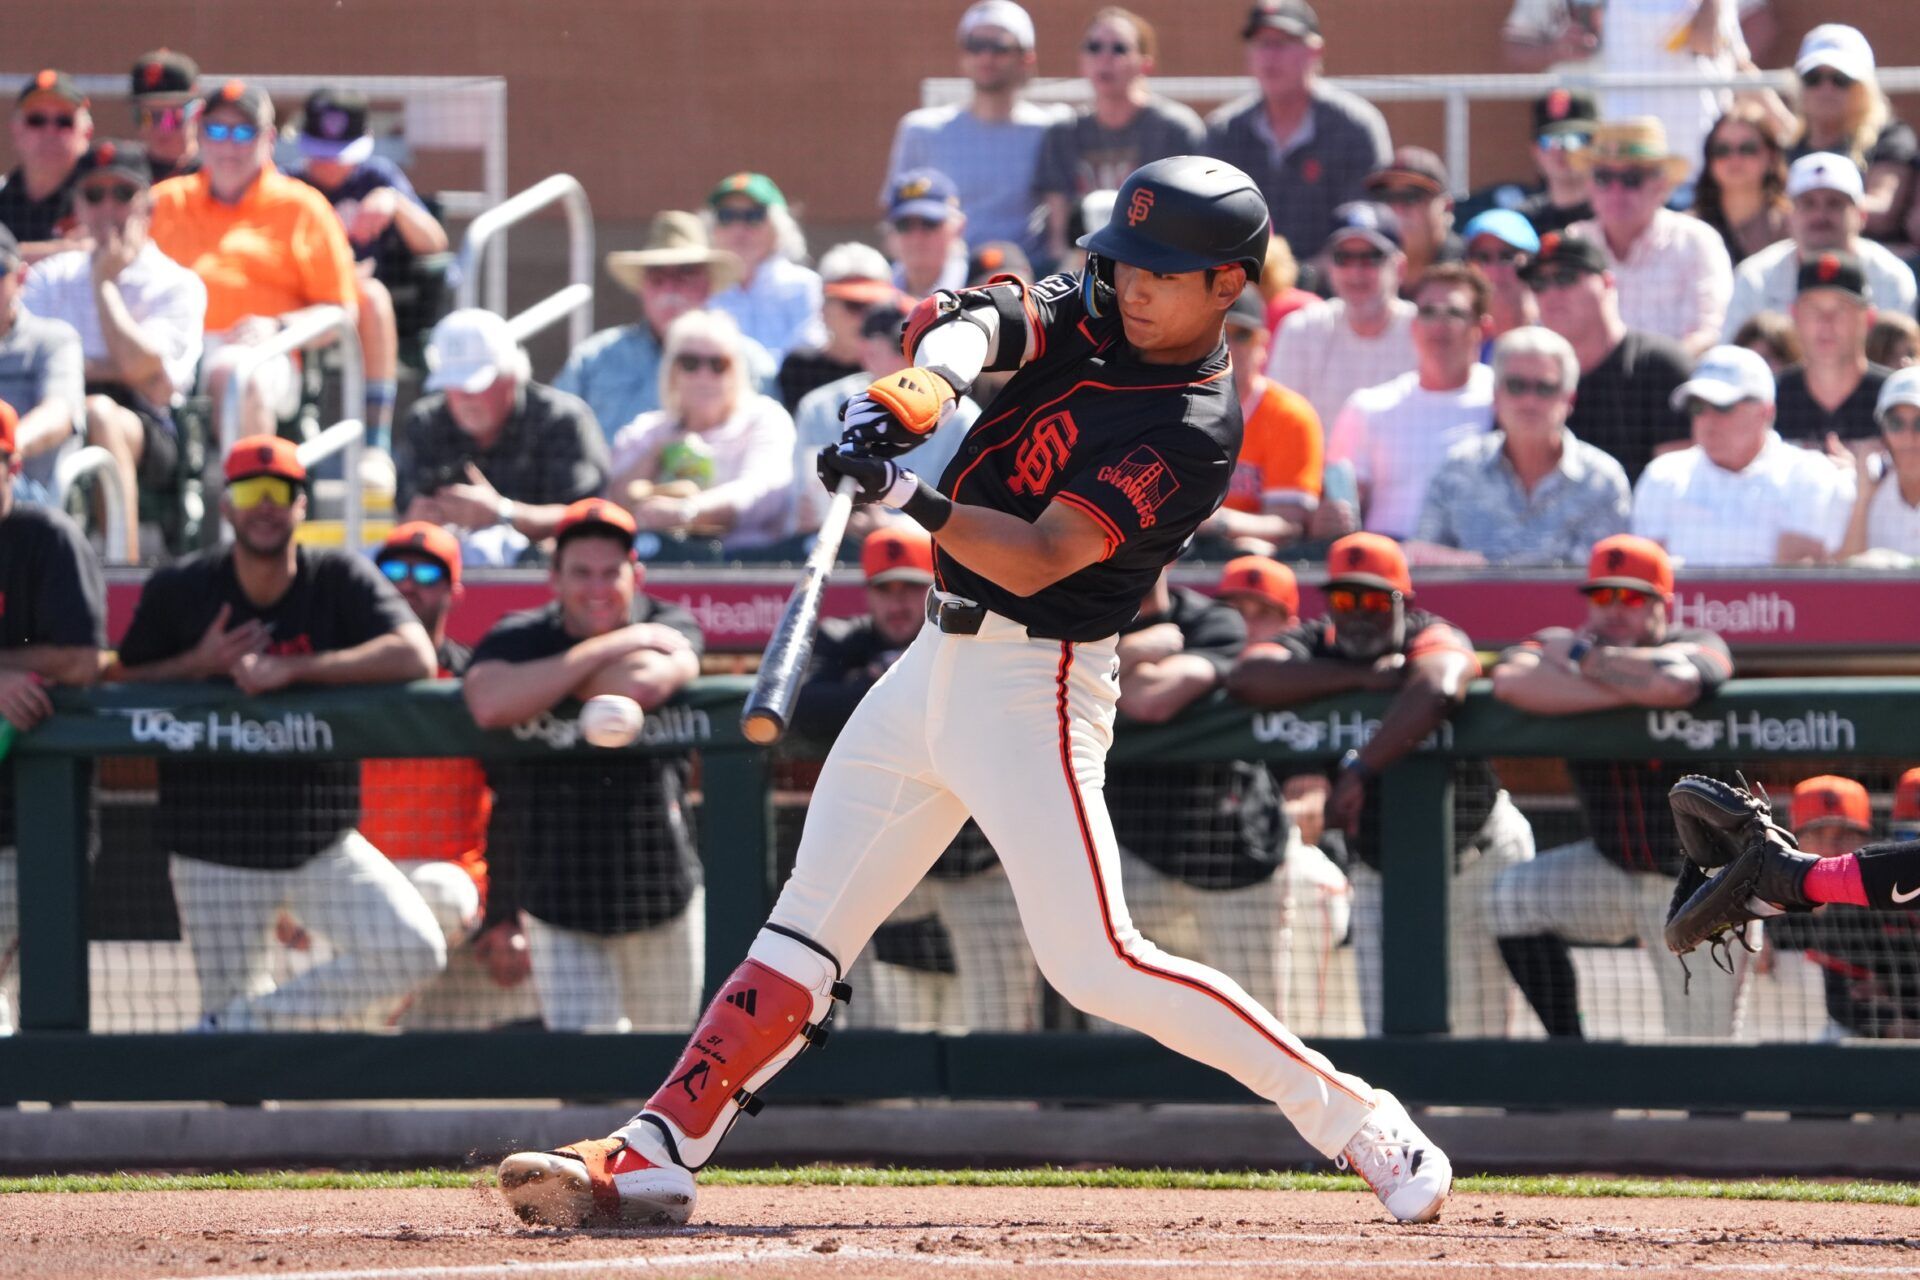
{"x":1146,"y":481}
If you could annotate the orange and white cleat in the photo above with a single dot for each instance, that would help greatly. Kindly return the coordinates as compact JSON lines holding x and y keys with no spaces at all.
{"x":606,"y":1182}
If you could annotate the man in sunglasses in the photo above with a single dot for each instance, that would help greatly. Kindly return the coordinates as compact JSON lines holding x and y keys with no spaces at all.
{"x":926,"y":228}
{"x":989,"y":145}
{"x":1627,"y":376}
{"x":266,"y":245}
{"x":1363,"y":335}
{"x":1741,"y":495}
{"x":1563,"y":121}
{"x":51,"y":128}
{"x":490,"y":451}
{"x":1828,"y":216}
{"x":1672,"y":270}
{"x":1414,"y":184}
{"x":52,"y":630}
{"x":1500,"y":243}
{"x":1372,"y":639}
{"x":249,"y":838}
{"x":163,"y":89}
{"x":139,"y":315}
{"x":1612,"y":887}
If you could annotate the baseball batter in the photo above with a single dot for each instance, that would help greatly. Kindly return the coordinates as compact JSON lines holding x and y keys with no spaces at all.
{"x":1115,"y":438}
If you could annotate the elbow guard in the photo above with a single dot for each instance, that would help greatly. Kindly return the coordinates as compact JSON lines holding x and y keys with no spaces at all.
{"x":997,"y":310}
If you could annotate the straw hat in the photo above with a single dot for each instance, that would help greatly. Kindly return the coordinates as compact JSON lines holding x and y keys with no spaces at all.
{"x":1639,"y":140}
{"x":674,"y":239}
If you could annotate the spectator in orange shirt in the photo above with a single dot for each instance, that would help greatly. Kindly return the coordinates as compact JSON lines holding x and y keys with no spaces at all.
{"x":267,"y":246}
{"x":1274,"y":496}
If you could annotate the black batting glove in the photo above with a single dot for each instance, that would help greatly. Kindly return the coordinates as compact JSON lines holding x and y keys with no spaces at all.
{"x":876,"y":477}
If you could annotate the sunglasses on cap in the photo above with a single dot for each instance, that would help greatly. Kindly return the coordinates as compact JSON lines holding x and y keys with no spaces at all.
{"x":41,"y":120}
{"x":422,"y":573}
{"x":1826,"y":75}
{"x":1721,"y":150}
{"x":687,"y":362}
{"x":164,"y":117}
{"x":1625,"y":179}
{"x":1626,"y":597}
{"x":1515,"y":385}
{"x":247,"y":494}
{"x":986,"y":44}
{"x":739,"y":215}
{"x":1358,"y":257}
{"x":1364,"y":600}
{"x":219,"y":131}
{"x":1114,"y":47}
{"x":119,"y":192}
{"x":1563,"y":141}
{"x":1497,"y":257}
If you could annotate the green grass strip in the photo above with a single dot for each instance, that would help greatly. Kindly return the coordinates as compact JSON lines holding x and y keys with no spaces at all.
{"x":1883,"y":1193}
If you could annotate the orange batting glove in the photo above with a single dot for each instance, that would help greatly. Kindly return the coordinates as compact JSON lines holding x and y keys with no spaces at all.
{"x":896,"y":412}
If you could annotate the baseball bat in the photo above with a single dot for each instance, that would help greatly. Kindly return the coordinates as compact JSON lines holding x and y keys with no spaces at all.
{"x":784,"y":664}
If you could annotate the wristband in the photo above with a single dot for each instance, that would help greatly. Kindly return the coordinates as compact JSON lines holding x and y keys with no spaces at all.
{"x":503,"y":511}
{"x":1352,"y":763}
{"x":927,"y":505}
{"x":1580,"y":648}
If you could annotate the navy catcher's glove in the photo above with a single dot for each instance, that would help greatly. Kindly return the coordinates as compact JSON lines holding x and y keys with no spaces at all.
{"x":1761,"y":868}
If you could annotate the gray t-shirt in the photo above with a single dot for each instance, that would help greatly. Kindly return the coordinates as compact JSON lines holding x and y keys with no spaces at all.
{"x":1082,"y":155}
{"x":990,"y":162}
{"x":1307,"y":176}
{"x":40,"y":360}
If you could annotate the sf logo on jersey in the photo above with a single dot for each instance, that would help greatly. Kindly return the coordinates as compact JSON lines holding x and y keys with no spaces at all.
{"x":1043,"y":453}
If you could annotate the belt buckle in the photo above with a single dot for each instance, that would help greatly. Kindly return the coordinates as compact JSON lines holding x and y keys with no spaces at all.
{"x":954,"y":615}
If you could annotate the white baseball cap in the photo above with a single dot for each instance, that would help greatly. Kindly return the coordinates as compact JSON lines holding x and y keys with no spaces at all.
{"x":469,"y":350}
{"x":1902,"y":388}
{"x":1725,"y":376}
{"x":1825,"y":171}
{"x":1839,"y":46}
{"x":1006,"y":15}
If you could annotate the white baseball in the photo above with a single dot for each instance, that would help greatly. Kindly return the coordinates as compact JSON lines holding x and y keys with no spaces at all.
{"x":610,"y":720}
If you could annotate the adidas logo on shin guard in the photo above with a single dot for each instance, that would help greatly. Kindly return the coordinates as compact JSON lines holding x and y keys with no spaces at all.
{"x":744,"y":999}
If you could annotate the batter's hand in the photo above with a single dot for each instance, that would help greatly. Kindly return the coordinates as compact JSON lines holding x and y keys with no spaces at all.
{"x":896,"y":413}
{"x":876,"y":477}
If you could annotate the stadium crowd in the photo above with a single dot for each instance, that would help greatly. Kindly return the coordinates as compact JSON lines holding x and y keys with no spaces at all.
{"x":1691,"y":342}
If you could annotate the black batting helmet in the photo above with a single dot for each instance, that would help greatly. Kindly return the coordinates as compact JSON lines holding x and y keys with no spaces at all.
{"x":1183,"y":213}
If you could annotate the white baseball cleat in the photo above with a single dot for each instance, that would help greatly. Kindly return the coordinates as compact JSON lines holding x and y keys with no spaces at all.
{"x":602,"y":1183}
{"x":1406,"y":1170}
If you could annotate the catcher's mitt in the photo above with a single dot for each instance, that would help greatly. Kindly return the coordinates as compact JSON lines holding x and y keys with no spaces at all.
{"x":1717,"y":820}
{"x":1760,"y":867}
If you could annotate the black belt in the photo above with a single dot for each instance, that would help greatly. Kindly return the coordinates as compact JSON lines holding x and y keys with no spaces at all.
{"x":955,"y":615}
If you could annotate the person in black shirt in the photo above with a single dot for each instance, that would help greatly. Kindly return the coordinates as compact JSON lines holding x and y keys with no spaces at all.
{"x":1114,"y":439}
{"x":163,"y":87}
{"x":249,"y":838}
{"x":1371,"y":640}
{"x":593,"y":857}
{"x":1627,"y":376}
{"x":1834,"y":390}
{"x":52,"y":129}
{"x":53,"y":609}
{"x":1612,"y":887}
{"x":952,"y":951}
{"x":1563,"y":123}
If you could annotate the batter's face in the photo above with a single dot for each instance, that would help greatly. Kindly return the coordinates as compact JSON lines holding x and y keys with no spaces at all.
{"x":594,"y":581}
{"x":1628,"y":623}
{"x":898,"y":609}
{"x":1174,"y":318}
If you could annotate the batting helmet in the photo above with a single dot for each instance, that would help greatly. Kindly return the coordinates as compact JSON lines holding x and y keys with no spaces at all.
{"x":1183,"y":213}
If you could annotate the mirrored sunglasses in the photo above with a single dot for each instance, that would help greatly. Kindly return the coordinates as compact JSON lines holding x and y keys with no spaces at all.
{"x":219,"y":131}
{"x":422,"y":573}
{"x":247,"y":494}
{"x":1371,"y":600}
{"x":1625,"y":596}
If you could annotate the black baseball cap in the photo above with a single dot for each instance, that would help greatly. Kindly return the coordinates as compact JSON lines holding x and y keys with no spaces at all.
{"x":1558,"y":249}
{"x":1564,"y":111}
{"x":248,"y":100}
{"x":164,"y":74}
{"x":883,"y":320}
{"x":1834,"y":269}
{"x":333,"y":126}
{"x":1366,"y":220}
{"x":998,"y":258}
{"x":58,"y":83}
{"x":1411,"y":167}
{"x":110,"y":155}
{"x":1249,"y":310}
{"x":1295,"y":17}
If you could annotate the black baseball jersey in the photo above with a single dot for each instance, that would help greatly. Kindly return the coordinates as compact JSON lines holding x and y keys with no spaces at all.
{"x":1625,"y":801}
{"x":33,"y":220}
{"x":601,"y":843}
{"x":51,"y":593}
{"x":1144,"y":450}
{"x":272,"y":814}
{"x":1216,"y":824}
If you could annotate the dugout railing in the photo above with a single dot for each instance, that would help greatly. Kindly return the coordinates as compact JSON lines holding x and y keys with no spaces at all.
{"x":55,"y":1057}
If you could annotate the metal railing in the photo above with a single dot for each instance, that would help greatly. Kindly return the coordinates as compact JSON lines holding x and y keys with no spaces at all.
{"x":95,"y":461}
{"x":1456,"y":93}
{"x":573,"y":302}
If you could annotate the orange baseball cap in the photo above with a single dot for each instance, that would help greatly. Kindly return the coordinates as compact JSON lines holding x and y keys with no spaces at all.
{"x":1827,"y":801}
{"x":1261,"y":578}
{"x":421,"y":537}
{"x":594,"y":513}
{"x":9,"y":429}
{"x":1369,"y":560}
{"x":1638,"y":564}
{"x":897,"y":553}
{"x":1906,"y":797}
{"x":265,"y":456}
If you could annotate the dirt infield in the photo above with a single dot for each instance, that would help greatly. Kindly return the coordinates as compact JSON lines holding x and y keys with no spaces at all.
{"x":806,"y":1232}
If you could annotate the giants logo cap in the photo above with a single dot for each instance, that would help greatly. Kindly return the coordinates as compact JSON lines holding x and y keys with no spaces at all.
{"x":421,"y":538}
{"x":1906,"y":804}
{"x":1834,"y":269}
{"x":1829,"y":801}
{"x":265,"y":456}
{"x":897,"y":553}
{"x":1638,"y":564}
{"x":594,"y":514}
{"x":1368,"y":560}
{"x":1261,"y":579}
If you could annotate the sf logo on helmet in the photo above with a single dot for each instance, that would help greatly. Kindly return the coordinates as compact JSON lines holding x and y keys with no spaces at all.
{"x":1142,"y":206}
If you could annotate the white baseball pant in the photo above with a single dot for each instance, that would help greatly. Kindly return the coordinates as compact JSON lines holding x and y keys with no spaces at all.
{"x":643,"y":980}
{"x":1014,"y":731}
{"x":9,"y":937}
{"x":383,"y":939}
